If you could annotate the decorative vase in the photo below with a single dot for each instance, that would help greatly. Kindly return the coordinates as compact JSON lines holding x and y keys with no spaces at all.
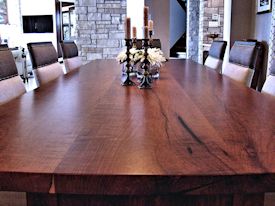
{"x":154,"y":71}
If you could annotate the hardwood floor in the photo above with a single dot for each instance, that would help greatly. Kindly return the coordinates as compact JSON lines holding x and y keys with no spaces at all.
{"x":270,"y":199}
{"x":19,"y":199}
{"x":13,"y":199}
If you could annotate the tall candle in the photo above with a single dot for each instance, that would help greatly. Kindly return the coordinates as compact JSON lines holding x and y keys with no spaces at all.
{"x":128,"y":28}
{"x":134,"y":32}
{"x":151,"y":25}
{"x":146,"y":32}
{"x":146,"y":14}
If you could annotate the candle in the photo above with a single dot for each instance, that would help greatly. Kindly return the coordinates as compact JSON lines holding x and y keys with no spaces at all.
{"x":128,"y":28}
{"x":146,"y":32}
{"x":134,"y":32}
{"x":151,"y":25}
{"x":146,"y":14}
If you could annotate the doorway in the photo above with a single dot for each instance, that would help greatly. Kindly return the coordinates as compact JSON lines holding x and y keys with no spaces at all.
{"x":178,"y":20}
{"x":65,"y":22}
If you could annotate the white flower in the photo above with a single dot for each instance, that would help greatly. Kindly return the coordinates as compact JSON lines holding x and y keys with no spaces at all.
{"x":155,"y":56}
{"x":121,"y":57}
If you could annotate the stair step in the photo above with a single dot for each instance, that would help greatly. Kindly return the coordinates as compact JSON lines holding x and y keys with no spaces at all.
{"x":182,"y":55}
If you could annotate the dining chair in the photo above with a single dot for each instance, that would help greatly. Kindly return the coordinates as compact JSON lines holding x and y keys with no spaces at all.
{"x":155,"y":43}
{"x":139,"y":44}
{"x":44,"y":61}
{"x":269,"y":85}
{"x":70,"y":55}
{"x":215,"y":55}
{"x":245,"y":63}
{"x":11,"y":85}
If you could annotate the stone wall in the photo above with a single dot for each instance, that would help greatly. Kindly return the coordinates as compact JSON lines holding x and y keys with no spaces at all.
{"x":193,"y":29}
{"x":212,"y":7}
{"x":199,"y":14}
{"x":100,"y":28}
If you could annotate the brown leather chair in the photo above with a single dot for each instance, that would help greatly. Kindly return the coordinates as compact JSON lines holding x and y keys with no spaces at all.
{"x":44,"y":61}
{"x":70,"y":55}
{"x":269,"y":85}
{"x":139,"y":44}
{"x":11,"y":85}
{"x":245,"y":63}
{"x":155,"y":43}
{"x":215,"y":55}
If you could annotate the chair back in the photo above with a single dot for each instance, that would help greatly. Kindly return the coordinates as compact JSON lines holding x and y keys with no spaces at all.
{"x":44,"y":61}
{"x":215,"y":55}
{"x":269,"y":85}
{"x":69,"y":49}
{"x":245,"y":62}
{"x":11,"y":85}
{"x":7,"y":64}
{"x":139,"y":44}
{"x":155,"y":43}
{"x":70,"y":55}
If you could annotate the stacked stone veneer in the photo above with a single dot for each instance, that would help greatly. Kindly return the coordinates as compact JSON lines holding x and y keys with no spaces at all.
{"x":199,"y":14}
{"x":193,"y":29}
{"x":100,"y":28}
{"x":212,"y":7}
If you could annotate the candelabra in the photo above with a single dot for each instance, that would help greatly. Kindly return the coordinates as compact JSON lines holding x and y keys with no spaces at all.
{"x":134,"y":42}
{"x":126,"y":81}
{"x":145,"y":82}
{"x":150,"y":38}
{"x":150,"y":34}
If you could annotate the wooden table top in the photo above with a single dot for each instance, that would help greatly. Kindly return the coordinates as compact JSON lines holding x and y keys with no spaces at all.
{"x":86,"y":134}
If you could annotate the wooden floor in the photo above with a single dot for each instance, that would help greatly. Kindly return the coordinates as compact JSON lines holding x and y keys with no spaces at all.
{"x":19,"y":199}
{"x":270,"y":199}
{"x":13,"y":199}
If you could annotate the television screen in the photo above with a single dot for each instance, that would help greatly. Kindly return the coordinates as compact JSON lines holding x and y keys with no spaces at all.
{"x":38,"y":24}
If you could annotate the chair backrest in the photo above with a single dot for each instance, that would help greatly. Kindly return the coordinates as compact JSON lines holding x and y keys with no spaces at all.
{"x":69,"y":49}
{"x":11,"y":86}
{"x":139,"y":44}
{"x":44,"y":61}
{"x":245,"y":60}
{"x":269,"y":85}
{"x":155,"y":43}
{"x":215,"y":55}
{"x":7,"y":64}
{"x":70,"y":55}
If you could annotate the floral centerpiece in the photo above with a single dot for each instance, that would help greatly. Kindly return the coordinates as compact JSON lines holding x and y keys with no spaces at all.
{"x":155,"y":57}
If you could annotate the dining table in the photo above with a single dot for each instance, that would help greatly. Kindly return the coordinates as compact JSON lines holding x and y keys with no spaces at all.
{"x":196,"y":138}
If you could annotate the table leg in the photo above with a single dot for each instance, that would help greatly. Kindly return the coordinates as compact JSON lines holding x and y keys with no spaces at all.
{"x":41,"y":199}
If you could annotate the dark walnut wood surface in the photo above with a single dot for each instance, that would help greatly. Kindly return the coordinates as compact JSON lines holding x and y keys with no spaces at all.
{"x":195,"y":132}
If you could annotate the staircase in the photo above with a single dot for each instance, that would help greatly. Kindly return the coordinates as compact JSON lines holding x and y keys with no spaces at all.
{"x":183,"y":4}
{"x":179,"y":47}
{"x":178,"y":50}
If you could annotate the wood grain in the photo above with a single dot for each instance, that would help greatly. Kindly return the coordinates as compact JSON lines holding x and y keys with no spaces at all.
{"x":195,"y":133}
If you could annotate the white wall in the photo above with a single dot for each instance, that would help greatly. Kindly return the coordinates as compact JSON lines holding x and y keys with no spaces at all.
{"x":13,"y":31}
{"x":160,"y":13}
{"x":177,"y":22}
{"x":135,"y":12}
{"x":227,"y":28}
{"x":39,"y":7}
